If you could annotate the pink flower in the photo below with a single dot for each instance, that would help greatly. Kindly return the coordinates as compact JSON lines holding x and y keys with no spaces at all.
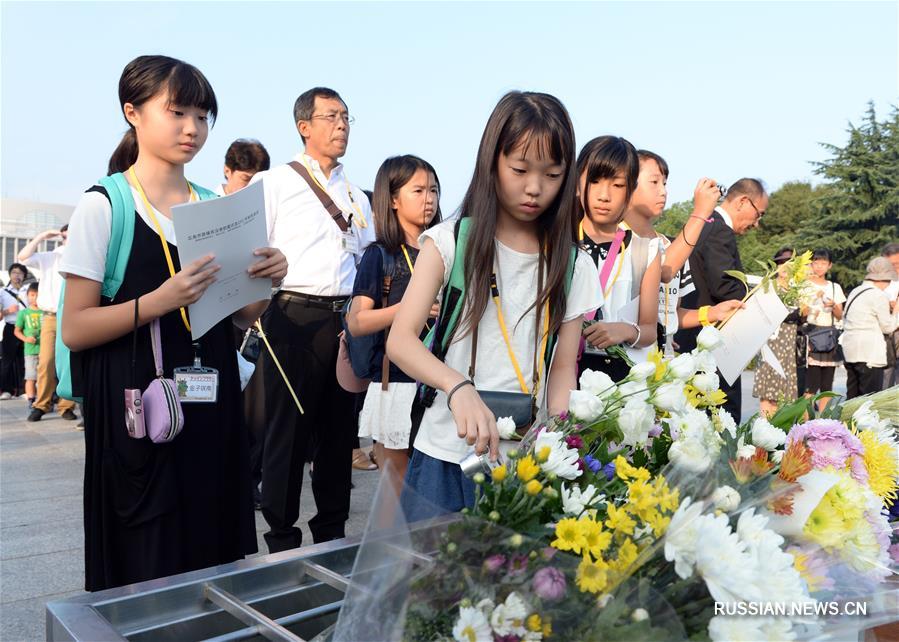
{"x":829,"y":441}
{"x":574,"y":441}
{"x":495,"y":562}
{"x":549,"y":584}
{"x":894,"y":552}
{"x":518,"y":564}
{"x":858,"y":470}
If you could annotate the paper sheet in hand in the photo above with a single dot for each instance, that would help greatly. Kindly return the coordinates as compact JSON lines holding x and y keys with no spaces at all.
{"x":747,"y":331}
{"x":230,"y":227}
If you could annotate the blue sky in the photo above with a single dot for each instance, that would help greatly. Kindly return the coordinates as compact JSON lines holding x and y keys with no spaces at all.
{"x":724,"y":89}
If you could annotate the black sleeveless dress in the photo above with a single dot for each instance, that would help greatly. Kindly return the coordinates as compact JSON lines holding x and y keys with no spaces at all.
{"x":153,"y":510}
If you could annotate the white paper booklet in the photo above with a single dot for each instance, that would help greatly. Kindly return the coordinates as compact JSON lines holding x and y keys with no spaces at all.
{"x":231,"y":228}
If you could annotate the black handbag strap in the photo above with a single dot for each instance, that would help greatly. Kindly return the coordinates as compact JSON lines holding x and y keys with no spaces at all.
{"x":851,"y":301}
{"x":333,"y":210}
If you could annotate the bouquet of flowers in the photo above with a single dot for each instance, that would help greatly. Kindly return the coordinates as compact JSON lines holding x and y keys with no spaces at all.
{"x":645,"y":512}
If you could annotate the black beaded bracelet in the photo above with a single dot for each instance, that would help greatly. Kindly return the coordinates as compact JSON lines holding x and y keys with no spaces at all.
{"x":449,"y":396}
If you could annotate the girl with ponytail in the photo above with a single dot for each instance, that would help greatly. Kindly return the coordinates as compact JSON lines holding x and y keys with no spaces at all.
{"x":156,"y":509}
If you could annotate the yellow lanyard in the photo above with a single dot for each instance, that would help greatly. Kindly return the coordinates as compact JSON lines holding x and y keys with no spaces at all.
{"x":408,"y":260}
{"x":360,"y":221}
{"x":165,"y":245}
{"x":494,"y":290}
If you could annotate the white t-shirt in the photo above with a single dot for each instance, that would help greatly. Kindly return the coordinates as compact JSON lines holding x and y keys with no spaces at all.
{"x":516,"y":278}
{"x":618,"y":304}
{"x":51,"y":281}
{"x":681,"y":284}
{"x":89,"y":230}
{"x":9,"y":297}
{"x":817,"y":315}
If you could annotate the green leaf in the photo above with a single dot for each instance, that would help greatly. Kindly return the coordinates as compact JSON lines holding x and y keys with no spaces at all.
{"x":741,"y":277}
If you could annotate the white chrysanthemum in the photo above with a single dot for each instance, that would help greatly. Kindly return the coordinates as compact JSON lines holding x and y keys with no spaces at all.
{"x":690,"y":455}
{"x":723,"y":563}
{"x":575,"y":501}
{"x":506,"y":427}
{"x":723,"y":628}
{"x":767,"y":436}
{"x":777,"y":456}
{"x":681,"y":537}
{"x":727,"y":421}
{"x":509,"y":617}
{"x":597,"y":383}
{"x":744,"y":449}
{"x":683,"y":366}
{"x":560,"y":459}
{"x":585,"y":406}
{"x":709,"y":338}
{"x":634,"y":390}
{"x":775,"y":575}
{"x":670,"y":397}
{"x":635,"y":421}
{"x":472,"y":626}
{"x":642,"y":371}
{"x":705,"y":361}
{"x":706,"y":382}
{"x":726,"y":498}
{"x":777,"y":628}
{"x":866,"y":418}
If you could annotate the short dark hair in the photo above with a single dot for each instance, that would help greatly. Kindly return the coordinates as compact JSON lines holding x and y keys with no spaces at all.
{"x":890,"y":249}
{"x":603,"y":158}
{"x":64,"y":228}
{"x":783,"y":255}
{"x":645,"y":155}
{"x":18,"y":266}
{"x":305,"y":103}
{"x":751,"y":187}
{"x":247,"y":155}
{"x":822,"y":253}
{"x":33,"y":287}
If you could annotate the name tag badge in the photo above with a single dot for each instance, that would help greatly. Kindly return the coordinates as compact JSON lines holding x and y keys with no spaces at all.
{"x":197,"y":385}
{"x":349,"y":242}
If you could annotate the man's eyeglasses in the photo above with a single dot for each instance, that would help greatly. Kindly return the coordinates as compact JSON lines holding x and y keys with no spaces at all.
{"x":758,"y":214}
{"x":332,"y":118}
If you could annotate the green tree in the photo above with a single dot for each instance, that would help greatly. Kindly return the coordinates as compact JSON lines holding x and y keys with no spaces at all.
{"x":857,"y":212}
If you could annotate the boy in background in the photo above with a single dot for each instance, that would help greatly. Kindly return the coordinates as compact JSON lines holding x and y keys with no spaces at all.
{"x":28,"y":331}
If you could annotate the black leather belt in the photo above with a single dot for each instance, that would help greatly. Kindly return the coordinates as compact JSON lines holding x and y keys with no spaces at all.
{"x":332,"y":303}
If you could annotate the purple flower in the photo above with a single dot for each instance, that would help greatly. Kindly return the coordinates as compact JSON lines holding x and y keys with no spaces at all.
{"x":580,"y":464}
{"x":858,"y":470}
{"x":894,"y":552}
{"x":495,"y":562}
{"x":549,"y":584}
{"x":592,"y":463}
{"x":574,"y":441}
{"x":563,"y":415}
{"x":829,"y":440}
{"x":609,"y":470}
{"x":548,"y":553}
{"x":518,"y":564}
{"x":655,"y":431}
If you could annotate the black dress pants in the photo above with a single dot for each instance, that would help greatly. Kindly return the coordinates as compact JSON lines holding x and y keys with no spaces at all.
{"x":862,"y":379}
{"x":734,"y":403}
{"x":304,"y":338}
{"x":12,"y":364}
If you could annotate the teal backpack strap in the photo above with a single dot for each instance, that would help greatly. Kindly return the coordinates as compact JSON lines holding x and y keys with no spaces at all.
{"x":202,"y":193}
{"x":121,"y":235}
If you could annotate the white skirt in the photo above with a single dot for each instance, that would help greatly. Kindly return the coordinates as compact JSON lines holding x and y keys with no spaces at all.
{"x":386,"y":415}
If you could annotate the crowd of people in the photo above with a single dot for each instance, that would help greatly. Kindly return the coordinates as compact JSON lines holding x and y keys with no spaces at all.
{"x":551,"y":265}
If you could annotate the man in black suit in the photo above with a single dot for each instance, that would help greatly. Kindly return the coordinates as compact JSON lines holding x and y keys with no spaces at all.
{"x":715,"y":252}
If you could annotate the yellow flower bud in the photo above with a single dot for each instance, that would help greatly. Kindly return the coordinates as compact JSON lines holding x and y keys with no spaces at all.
{"x":533,"y":487}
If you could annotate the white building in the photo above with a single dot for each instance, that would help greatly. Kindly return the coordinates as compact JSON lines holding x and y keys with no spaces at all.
{"x":21,"y":221}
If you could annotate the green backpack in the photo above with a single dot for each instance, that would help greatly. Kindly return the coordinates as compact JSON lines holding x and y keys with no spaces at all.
{"x":118,"y":252}
{"x":440,"y":335}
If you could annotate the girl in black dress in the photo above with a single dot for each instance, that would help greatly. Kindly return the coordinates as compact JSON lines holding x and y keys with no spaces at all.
{"x":152,"y":510}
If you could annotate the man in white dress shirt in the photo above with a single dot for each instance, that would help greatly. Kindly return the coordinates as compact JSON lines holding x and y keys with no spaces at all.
{"x":322,"y":223}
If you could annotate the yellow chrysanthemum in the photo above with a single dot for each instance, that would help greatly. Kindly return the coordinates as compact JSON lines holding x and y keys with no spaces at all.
{"x":627,"y":555}
{"x":659,"y":523}
{"x":568,"y":536}
{"x":527,"y":468}
{"x":499,"y":473}
{"x":883,"y":467}
{"x":640,"y":495}
{"x":547,"y":628}
{"x":656,"y":357}
{"x":592,"y":577}
{"x":619,"y":521}
{"x":596,"y":540}
{"x":533,"y":487}
{"x":534,"y":623}
{"x":825,"y":526}
{"x":626,"y":471}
